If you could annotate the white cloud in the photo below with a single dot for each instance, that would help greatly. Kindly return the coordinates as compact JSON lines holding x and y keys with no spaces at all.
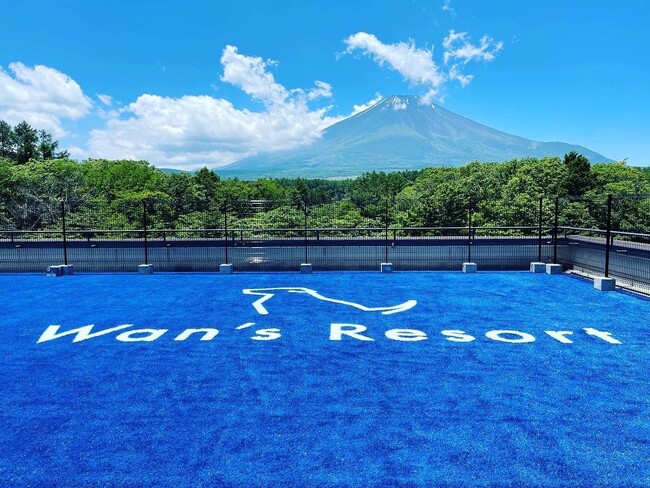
{"x":249,"y":73}
{"x":190,"y":131}
{"x":458,"y":47}
{"x":105,"y":99}
{"x":76,"y":152}
{"x":42,"y":96}
{"x":455,"y":74}
{"x":418,"y":67}
{"x":322,"y":90}
{"x":446,"y":7}
{"x":415,"y":65}
{"x":365,"y":106}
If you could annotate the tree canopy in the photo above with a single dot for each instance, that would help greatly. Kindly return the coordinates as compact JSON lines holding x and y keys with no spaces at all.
{"x":22,"y":143}
{"x":35,"y":177}
{"x":104,"y":194}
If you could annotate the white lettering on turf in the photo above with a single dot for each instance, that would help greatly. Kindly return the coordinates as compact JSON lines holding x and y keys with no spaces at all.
{"x":134,"y":335}
{"x":81,"y":333}
{"x":406,"y":335}
{"x":245,"y":326}
{"x":559,"y":335}
{"x":457,"y":336}
{"x":266,"y":335}
{"x":497,"y":335}
{"x":337,"y":331}
{"x":208,"y":334}
{"x":606,"y":336}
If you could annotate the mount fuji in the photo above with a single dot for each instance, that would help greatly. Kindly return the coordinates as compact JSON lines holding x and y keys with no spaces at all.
{"x":398,"y":133}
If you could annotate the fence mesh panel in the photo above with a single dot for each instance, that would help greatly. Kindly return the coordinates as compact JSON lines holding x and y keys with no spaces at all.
{"x":586,"y":223}
{"x":413,"y":234}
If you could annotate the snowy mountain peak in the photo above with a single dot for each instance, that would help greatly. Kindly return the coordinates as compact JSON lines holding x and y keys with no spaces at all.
{"x":399,"y":133}
{"x":397,"y":102}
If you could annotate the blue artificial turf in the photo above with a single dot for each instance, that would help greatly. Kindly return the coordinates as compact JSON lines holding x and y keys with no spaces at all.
{"x":304,"y":410}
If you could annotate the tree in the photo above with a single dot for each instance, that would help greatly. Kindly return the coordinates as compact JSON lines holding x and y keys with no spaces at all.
{"x":23,"y":143}
{"x":47,"y":147}
{"x":578,"y":178}
{"x":110,"y":178}
{"x":300,"y":194}
{"x":7,"y":141}
{"x":646,"y":172}
{"x":207,"y":187}
{"x":267,"y":189}
{"x":26,"y":138}
{"x":183,"y":195}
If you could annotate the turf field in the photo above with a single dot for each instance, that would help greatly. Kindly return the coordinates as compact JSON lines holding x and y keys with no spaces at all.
{"x":330,"y":379}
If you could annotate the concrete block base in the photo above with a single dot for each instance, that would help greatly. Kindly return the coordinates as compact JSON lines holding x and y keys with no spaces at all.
{"x":386,"y":267}
{"x":54,"y":271}
{"x":305,"y":268}
{"x":553,"y":269}
{"x":537,"y":267}
{"x":604,"y":284}
{"x":67,"y":269}
{"x":225,"y":268}
{"x":145,"y":269}
{"x":469,"y":268}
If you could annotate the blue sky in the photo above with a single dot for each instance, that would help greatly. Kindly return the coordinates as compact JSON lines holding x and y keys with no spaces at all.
{"x":201,"y":82}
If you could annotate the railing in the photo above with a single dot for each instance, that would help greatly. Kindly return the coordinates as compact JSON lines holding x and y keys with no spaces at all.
{"x":271,"y":249}
{"x":374,"y":238}
{"x":621,"y":255}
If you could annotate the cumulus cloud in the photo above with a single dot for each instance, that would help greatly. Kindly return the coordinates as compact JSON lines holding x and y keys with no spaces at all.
{"x":249,"y":73}
{"x":42,"y":96}
{"x":322,"y":90}
{"x":458,"y":47}
{"x":76,"y":152}
{"x":365,"y":106}
{"x":417,"y":65}
{"x":189,"y":131}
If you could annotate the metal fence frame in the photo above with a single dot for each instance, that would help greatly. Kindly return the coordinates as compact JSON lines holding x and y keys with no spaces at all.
{"x":605,"y":251}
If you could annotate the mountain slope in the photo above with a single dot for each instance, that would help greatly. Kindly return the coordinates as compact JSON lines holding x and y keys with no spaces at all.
{"x":399,"y":133}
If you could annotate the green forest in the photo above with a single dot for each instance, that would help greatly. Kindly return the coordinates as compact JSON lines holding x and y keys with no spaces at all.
{"x":37,"y":182}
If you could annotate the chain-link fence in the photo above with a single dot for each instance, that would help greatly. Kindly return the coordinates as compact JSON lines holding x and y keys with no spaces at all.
{"x":606,"y":235}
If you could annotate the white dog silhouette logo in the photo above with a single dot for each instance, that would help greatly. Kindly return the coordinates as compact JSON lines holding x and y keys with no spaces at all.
{"x":267,"y":293}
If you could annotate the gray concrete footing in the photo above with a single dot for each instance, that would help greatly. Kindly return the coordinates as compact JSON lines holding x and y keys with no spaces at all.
{"x":60,"y":270}
{"x":537,"y":267}
{"x":386,"y":267}
{"x":604,"y":284}
{"x":469,"y":268}
{"x":305,"y":268}
{"x":67,"y":269}
{"x":54,"y":271}
{"x":145,"y":269}
{"x":553,"y":269}
{"x":225,"y":268}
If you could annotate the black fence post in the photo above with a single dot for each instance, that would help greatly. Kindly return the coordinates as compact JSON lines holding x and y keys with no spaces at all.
{"x":306,"y":211}
{"x":386,"y":233}
{"x":225,"y":225}
{"x":469,"y":231}
{"x":65,"y":240}
{"x":555,"y":228}
{"x":539,"y":234}
{"x":609,"y":234}
{"x":144,"y":222}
